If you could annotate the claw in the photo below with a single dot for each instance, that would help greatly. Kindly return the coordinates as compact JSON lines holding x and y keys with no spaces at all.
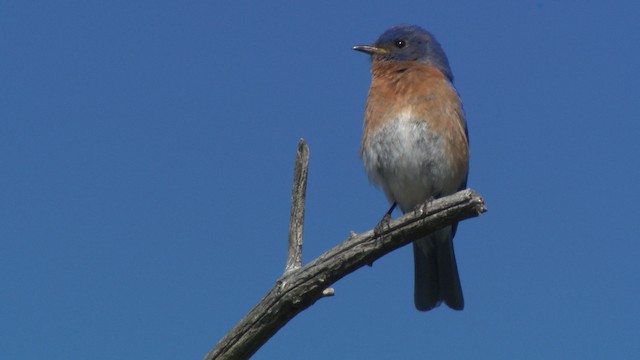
{"x":383,"y":224}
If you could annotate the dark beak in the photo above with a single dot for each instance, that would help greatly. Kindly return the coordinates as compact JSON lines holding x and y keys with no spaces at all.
{"x":371,"y":50}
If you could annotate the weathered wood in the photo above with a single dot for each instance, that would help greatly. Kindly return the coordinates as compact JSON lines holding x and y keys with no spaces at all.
{"x":299,"y":288}
{"x":298,"y":193}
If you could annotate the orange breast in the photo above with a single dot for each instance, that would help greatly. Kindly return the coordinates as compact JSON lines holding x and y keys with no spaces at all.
{"x":418,"y":91}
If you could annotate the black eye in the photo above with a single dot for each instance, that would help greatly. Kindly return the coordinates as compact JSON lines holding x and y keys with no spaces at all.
{"x":400,"y":44}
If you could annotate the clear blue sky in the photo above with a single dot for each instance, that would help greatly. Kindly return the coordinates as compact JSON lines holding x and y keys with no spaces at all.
{"x":147,"y":147}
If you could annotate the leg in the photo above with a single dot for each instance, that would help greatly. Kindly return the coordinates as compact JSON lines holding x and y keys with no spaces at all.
{"x":384,"y":222}
{"x":422,"y":207}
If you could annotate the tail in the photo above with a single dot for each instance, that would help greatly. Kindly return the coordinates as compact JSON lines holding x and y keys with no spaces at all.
{"x":436,"y":272}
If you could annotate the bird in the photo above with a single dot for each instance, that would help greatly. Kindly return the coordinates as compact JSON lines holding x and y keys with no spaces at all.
{"x":415,"y":147}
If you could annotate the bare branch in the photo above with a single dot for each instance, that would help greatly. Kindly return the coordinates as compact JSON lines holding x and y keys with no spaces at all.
{"x":296,"y":223}
{"x":300,"y":288}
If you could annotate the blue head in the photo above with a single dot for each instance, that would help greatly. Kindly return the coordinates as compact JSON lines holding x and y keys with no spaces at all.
{"x":408,"y":43}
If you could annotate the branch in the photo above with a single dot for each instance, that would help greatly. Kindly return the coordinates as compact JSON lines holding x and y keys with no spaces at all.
{"x":296,"y":223}
{"x":298,"y":288}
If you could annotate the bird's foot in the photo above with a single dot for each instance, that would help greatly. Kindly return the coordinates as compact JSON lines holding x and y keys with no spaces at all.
{"x":422,"y":207}
{"x":384,"y":222}
{"x":382,"y":225}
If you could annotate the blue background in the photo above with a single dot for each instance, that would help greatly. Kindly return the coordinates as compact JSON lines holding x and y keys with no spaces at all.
{"x":147,"y":150}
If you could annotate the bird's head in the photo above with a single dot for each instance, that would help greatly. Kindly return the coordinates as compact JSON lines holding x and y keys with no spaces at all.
{"x":408,"y":43}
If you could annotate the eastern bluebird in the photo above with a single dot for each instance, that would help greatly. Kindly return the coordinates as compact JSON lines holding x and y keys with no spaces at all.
{"x":415,"y":146}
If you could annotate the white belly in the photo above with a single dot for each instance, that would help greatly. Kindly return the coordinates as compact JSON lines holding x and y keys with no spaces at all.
{"x":409,"y":162}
